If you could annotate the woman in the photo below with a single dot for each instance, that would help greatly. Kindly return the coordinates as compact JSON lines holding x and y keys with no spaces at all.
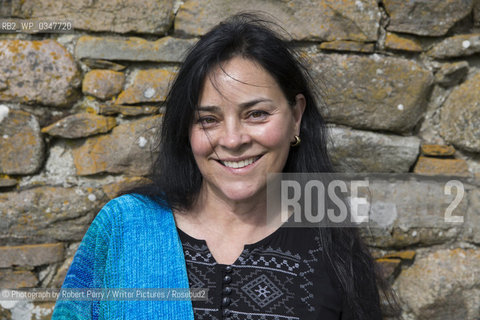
{"x":239,"y":108}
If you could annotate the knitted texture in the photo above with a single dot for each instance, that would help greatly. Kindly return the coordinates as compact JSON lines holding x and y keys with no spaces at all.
{"x":132,"y":243}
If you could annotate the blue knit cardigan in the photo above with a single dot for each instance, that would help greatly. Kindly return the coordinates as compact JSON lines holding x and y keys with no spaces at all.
{"x":132,"y":243}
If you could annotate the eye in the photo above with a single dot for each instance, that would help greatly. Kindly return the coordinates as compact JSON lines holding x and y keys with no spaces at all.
{"x":206,"y":121}
{"x":258,"y":114}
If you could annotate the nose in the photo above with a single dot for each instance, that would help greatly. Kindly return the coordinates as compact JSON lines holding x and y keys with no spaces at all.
{"x":234,"y":135}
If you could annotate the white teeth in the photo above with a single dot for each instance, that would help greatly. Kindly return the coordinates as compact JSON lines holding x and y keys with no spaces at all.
{"x":239,"y":164}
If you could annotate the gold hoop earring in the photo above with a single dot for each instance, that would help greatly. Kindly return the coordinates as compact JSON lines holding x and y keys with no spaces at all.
{"x":296,"y":142}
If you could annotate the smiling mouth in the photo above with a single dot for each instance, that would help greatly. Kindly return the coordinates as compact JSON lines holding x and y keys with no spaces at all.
{"x":239,"y":164}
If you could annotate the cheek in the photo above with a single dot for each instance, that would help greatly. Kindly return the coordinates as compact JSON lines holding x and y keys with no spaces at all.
{"x":277,"y":135}
{"x":199,"y":142}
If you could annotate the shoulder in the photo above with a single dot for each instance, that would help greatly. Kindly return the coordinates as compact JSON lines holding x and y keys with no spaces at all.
{"x":134,"y":207}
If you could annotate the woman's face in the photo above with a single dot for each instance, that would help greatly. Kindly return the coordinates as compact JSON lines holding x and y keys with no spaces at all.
{"x":242,"y":130}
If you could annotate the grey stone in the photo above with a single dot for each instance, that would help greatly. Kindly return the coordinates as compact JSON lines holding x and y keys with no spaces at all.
{"x":363,"y":151}
{"x":406,"y":211}
{"x":451,"y":74}
{"x":31,"y":255}
{"x":20,"y":141}
{"x":80,"y":125}
{"x":122,"y":16}
{"x":7,"y":182}
{"x":374,"y":92}
{"x":166,"y":49}
{"x":127,"y":149}
{"x":38,"y":72}
{"x":476,"y":12}
{"x":460,"y":116}
{"x":47,"y":214}
{"x":324,"y":20}
{"x":472,"y":220}
{"x":456,"y":46}
{"x":426,"y":18}
{"x":442,"y":285}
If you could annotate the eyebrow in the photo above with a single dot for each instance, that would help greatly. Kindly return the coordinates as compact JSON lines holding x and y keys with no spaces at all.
{"x":243,"y":105}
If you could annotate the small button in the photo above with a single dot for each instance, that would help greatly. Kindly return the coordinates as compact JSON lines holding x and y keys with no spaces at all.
{"x":226,"y":301}
{"x":227,"y":290}
{"x":227,"y":279}
{"x":226,"y":312}
{"x":228,"y":269}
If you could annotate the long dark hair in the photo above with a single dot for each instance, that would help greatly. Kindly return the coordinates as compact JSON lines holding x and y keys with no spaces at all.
{"x":176,"y":178}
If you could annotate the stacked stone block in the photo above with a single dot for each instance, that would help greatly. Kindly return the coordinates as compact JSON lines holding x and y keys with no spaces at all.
{"x":400,"y":86}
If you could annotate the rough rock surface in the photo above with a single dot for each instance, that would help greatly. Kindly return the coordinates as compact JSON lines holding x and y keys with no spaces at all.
{"x":456,"y":46}
{"x":127,"y":110}
{"x":460,"y":116}
{"x":103,"y":84}
{"x":80,"y":125}
{"x":442,"y":285}
{"x":21,"y":145}
{"x":472,"y":219}
{"x":411,"y":211}
{"x":325,"y":20}
{"x":441,"y":167}
{"x":128,"y":149}
{"x":401,"y":42}
{"x":360,"y":91}
{"x":17,"y":279}
{"x":166,"y":49}
{"x":437,"y":150}
{"x":363,"y":151}
{"x":152,"y":16}
{"x":147,"y":86}
{"x":31,"y":255}
{"x":426,"y":18}
{"x":37,"y":72}
{"x":47,"y":214}
{"x":451,"y":74}
{"x":343,"y":45}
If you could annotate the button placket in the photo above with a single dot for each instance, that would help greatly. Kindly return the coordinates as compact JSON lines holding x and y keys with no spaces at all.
{"x":226,"y":291}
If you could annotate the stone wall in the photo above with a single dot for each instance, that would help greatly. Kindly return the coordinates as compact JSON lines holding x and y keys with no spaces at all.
{"x":401,"y":80}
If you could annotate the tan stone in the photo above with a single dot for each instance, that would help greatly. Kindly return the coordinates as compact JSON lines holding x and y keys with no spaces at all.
{"x":127,"y":149}
{"x":444,"y":284}
{"x":127,"y":110}
{"x":324,"y":20}
{"x":122,"y":16}
{"x":437,"y":150}
{"x":47,"y":214}
{"x":428,"y":18}
{"x":21,"y":144}
{"x":10,"y":279}
{"x":146,"y":86}
{"x":113,"y":190}
{"x":80,"y":125}
{"x":460,"y":116}
{"x":360,"y":91}
{"x":456,"y":46}
{"x":38,"y":72}
{"x":103,"y":84}
{"x":397,"y":42}
{"x":167,"y":49}
{"x":6,"y":181}
{"x":403,"y":255}
{"x":441,"y":167}
{"x":30,"y":255}
{"x":343,"y":45}
{"x":57,"y":281}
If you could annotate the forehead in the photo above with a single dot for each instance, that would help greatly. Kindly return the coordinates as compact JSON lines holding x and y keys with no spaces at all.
{"x":238,"y":79}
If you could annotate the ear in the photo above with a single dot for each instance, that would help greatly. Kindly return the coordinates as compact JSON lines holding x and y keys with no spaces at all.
{"x":298,"y":109}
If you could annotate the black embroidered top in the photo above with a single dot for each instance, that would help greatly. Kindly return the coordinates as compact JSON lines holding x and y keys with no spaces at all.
{"x":280,"y":277}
